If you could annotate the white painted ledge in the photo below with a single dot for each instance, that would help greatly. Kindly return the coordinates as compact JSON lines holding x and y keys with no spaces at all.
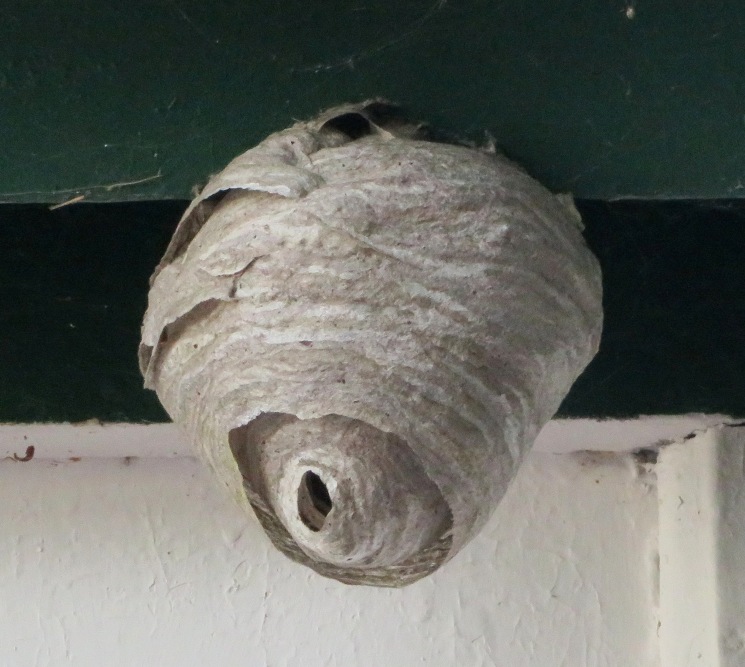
{"x":96,"y":440}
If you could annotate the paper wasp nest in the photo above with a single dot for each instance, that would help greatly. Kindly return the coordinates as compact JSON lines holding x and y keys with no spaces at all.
{"x":363,"y":331}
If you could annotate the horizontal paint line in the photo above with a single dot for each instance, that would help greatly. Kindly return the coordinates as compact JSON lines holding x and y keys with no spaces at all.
{"x":93,"y":439}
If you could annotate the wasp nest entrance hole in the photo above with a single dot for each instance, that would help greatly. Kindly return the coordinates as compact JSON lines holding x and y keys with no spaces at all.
{"x":313,"y":501}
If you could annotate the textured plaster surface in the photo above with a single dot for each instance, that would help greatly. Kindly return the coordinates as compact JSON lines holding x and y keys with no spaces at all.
{"x":144,"y":562}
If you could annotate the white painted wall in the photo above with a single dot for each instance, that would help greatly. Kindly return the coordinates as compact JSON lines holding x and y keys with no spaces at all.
{"x":107,"y":562}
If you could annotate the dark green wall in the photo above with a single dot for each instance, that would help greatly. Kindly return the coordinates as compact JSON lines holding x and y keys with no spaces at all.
{"x":97,"y":95}
{"x":73,"y":284}
{"x":142,"y":100}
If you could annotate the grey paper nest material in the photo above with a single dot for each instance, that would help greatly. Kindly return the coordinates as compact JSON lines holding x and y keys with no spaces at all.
{"x":363,"y":332}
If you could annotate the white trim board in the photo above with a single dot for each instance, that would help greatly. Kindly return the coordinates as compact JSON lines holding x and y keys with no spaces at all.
{"x":701,"y":525}
{"x":94,"y":439}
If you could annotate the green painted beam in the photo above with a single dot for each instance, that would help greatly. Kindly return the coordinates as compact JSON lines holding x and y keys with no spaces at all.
{"x":142,"y":100}
{"x":73,"y":284}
